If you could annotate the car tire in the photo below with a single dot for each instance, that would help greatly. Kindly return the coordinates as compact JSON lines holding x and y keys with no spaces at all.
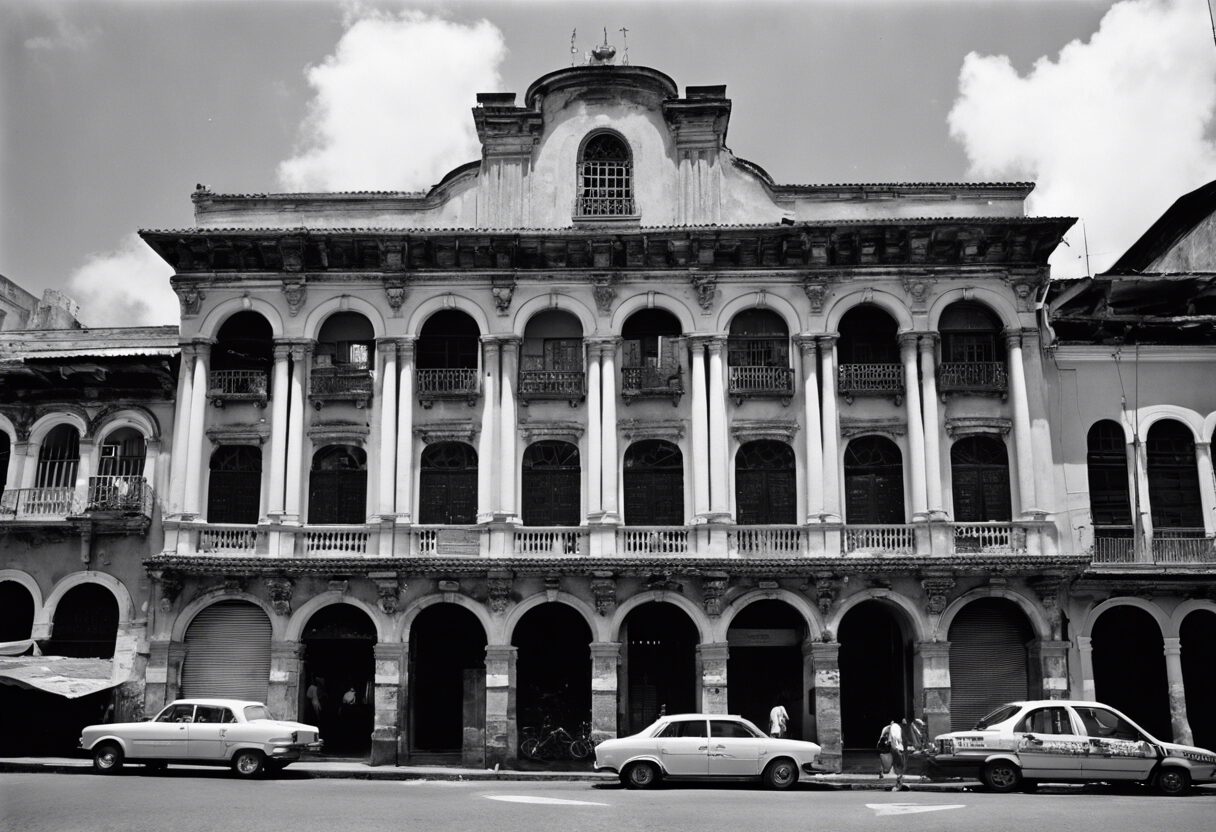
{"x":249,"y":763}
{"x":640,"y":776}
{"x":781,"y":774}
{"x":1001,"y":776}
{"x":1173,"y":781}
{"x":107,"y":758}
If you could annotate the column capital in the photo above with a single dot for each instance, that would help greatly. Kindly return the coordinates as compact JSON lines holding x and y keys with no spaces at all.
{"x":929,"y":341}
{"x":501,"y":652}
{"x":196,"y":346}
{"x":825,"y":651}
{"x":933,"y":649}
{"x":1084,"y":642}
{"x":387,"y":651}
{"x":1205,"y":445}
{"x":807,"y":343}
{"x":297,"y":348}
{"x":287,"y":649}
{"x":712,"y":340}
{"x":1013,"y":338}
{"x":714,"y":650}
{"x":1173,"y":646}
{"x":908,"y":340}
{"x":405,"y":346}
{"x":605,"y":649}
{"x":827,"y":340}
{"x":387,"y":347}
{"x":511,"y":342}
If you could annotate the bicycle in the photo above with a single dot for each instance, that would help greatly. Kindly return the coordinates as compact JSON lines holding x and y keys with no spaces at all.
{"x":554,"y":744}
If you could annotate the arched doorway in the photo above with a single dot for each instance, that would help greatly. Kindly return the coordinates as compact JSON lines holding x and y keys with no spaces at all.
{"x":1198,"y":633}
{"x":875,"y":672}
{"x":228,"y":653}
{"x":16,"y":612}
{"x":447,"y":484}
{"x":339,"y":678}
{"x":86,"y":623}
{"x":1129,"y":667}
{"x":766,"y":487}
{"x":652,"y":355}
{"x":446,"y":358}
{"x":874,"y":481}
{"x":1106,"y":464}
{"x":447,"y":704}
{"x":21,"y":736}
{"x":553,"y":668}
{"x":989,"y":659}
{"x":758,"y":356}
{"x":658,"y":665}
{"x":551,"y":481}
{"x":551,"y":358}
{"x":241,"y":359}
{"x":868,"y":351}
{"x":765,"y":666}
{"x":654,"y":484}
{"x":337,"y":486}
{"x":1173,"y":480}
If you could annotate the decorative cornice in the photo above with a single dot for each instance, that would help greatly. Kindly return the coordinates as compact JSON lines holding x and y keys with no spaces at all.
{"x":633,"y":429}
{"x":957,"y":426}
{"x":255,"y":433}
{"x":454,"y":431}
{"x":748,"y":430}
{"x":534,"y":431}
{"x":863,"y":427}
{"x":338,"y":433}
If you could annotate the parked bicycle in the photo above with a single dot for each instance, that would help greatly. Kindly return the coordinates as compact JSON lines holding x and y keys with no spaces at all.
{"x":555,"y":743}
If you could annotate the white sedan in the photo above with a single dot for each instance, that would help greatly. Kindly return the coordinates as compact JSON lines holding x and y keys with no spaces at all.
{"x":226,"y":732}
{"x":703,"y":746}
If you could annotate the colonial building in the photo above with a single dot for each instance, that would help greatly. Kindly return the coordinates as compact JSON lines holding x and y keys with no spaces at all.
{"x":608,"y":422}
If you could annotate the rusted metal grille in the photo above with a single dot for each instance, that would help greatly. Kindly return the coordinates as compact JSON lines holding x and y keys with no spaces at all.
{"x":456,"y":381}
{"x":870,"y":379}
{"x":341,"y":381}
{"x":58,"y":458}
{"x":973,"y":377}
{"x":237,"y":384}
{"x":605,"y":179}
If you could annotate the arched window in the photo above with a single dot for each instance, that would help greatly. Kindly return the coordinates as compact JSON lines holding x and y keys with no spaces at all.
{"x":765,"y":484}
{"x":551,"y":490}
{"x":234,"y":490}
{"x":5,"y":453}
{"x":342,"y":363}
{"x":447,"y":484}
{"x":241,"y":359}
{"x":653,"y":349}
{"x":119,"y":484}
{"x":337,"y":486}
{"x":979,"y":467}
{"x":58,"y":458}
{"x":759,"y":356}
{"x":1173,"y":477}
{"x":1107,"y":465}
{"x":973,"y":352}
{"x":869,"y":354}
{"x":654,"y":484}
{"x":874,"y":481}
{"x":446,"y":358}
{"x":605,"y":178}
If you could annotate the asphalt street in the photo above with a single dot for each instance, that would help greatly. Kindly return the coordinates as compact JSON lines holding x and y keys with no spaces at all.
{"x":188,"y":800}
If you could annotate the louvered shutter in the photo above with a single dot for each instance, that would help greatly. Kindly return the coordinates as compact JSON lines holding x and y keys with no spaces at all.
{"x":988,"y":660}
{"x":228,"y":653}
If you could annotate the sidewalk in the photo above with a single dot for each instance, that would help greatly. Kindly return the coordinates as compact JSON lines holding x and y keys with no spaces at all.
{"x":361,"y":771}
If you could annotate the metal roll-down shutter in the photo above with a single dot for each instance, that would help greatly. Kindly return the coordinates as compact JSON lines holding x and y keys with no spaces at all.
{"x":228,"y":652}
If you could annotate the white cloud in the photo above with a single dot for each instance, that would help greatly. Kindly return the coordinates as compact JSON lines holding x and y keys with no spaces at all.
{"x":128,"y":286}
{"x":1113,"y":130}
{"x":66,"y":34}
{"x":390,"y":107}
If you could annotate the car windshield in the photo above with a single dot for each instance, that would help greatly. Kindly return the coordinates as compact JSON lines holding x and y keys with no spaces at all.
{"x":253,"y":712}
{"x":999,"y":715}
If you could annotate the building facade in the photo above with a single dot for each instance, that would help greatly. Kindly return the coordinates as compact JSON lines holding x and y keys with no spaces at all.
{"x":609,"y":423}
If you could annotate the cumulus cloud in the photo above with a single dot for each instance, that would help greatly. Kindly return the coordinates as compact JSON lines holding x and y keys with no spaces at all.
{"x":390,"y":106}
{"x":128,"y":286}
{"x":1113,"y":129}
{"x":64,"y":32}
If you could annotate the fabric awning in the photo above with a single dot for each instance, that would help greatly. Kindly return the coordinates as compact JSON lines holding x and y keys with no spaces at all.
{"x":60,"y":675}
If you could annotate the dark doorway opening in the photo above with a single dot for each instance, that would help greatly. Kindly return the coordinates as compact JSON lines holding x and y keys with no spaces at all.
{"x":1129,"y":667}
{"x":1199,"y":675}
{"x":339,"y":678}
{"x":86,"y":623}
{"x":875,"y":672}
{"x":553,"y":668}
{"x":447,"y":682}
{"x":660,"y":665}
{"x":16,"y":612}
{"x":764,"y":667}
{"x":447,"y":484}
{"x":873,"y":481}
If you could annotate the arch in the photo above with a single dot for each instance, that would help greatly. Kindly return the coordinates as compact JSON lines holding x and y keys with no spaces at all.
{"x":299,"y":618}
{"x":27,"y":581}
{"x":126,"y":608}
{"x":50,"y":421}
{"x":889,"y":303}
{"x":699,"y":619}
{"x":604,"y":175}
{"x":595,"y":624}
{"x":278,"y":623}
{"x":997,"y":303}
{"x":914,"y":617}
{"x":1174,"y":487}
{"x":759,"y":300}
{"x":438,"y":303}
{"x":209,"y":327}
{"x":7,"y":426}
{"x":493,"y":633}
{"x":342,"y":303}
{"x":656,"y":300}
{"x":814,"y":624}
{"x":554,"y":301}
{"x":1106,"y":471}
{"x":1149,"y":416}
{"x":1163,"y":621}
{"x":1176,"y":617}
{"x":1209,"y":427}
{"x":134,"y":417}
{"x":1034,"y":612}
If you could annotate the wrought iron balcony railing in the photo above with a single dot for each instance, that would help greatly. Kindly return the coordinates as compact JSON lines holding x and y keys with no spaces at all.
{"x":989,"y":538}
{"x":886,"y":379}
{"x":334,"y":384}
{"x":1182,"y":545}
{"x":893,"y":539}
{"x":113,"y":498}
{"x":663,"y":381}
{"x":552,"y":384}
{"x":761,"y":383}
{"x":980,"y":378}
{"x":238,"y":386}
{"x":604,"y":206}
{"x":446,"y":383}
{"x":120,"y":495}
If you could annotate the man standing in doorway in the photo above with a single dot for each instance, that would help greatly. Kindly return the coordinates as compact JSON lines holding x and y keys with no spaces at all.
{"x":778,"y":720}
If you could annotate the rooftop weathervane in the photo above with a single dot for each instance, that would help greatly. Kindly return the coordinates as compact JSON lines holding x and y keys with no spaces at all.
{"x":603,"y":54}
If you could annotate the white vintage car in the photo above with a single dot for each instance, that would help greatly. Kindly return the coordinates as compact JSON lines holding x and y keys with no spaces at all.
{"x":229,"y":732}
{"x":1022,"y":744}
{"x":702,"y":746}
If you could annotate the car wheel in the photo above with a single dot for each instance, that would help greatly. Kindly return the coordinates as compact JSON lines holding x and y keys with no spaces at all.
{"x":780,"y":774}
{"x":248,"y":763}
{"x":1173,"y":780}
{"x":107,"y":758}
{"x":528,"y":748}
{"x":1001,"y":776}
{"x":640,"y":775}
{"x":580,"y":749}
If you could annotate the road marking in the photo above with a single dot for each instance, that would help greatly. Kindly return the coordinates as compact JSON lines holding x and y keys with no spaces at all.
{"x":881,"y":809}
{"x":548,"y":801}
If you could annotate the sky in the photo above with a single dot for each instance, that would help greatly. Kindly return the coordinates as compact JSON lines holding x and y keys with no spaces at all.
{"x":111,"y":112}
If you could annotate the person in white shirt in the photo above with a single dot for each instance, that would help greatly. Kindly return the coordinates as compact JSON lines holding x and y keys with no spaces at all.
{"x":778,"y":720}
{"x":891,"y":754}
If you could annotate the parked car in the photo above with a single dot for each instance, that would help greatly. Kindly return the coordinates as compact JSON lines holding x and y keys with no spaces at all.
{"x":705,"y":746}
{"x":226,"y":732}
{"x":1022,"y":744}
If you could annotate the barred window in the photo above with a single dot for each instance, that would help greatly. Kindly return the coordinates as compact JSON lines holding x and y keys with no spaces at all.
{"x":605,"y":171}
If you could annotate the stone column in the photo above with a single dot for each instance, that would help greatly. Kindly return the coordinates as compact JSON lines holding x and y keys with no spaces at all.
{"x":502,"y":733}
{"x":609,"y":466}
{"x":281,"y":387}
{"x":933,"y":451}
{"x":508,"y":418}
{"x":486,"y":441}
{"x":832,"y":503}
{"x":197,"y":436}
{"x":181,"y":431}
{"x":1207,"y":486}
{"x":712,"y":659}
{"x":1021,"y":425}
{"x":283,"y":696}
{"x":699,"y":431}
{"x":161,"y":673}
{"x":826,"y":656}
{"x":813,"y":429}
{"x":595,"y":448}
{"x":1049,"y":662}
{"x":806,"y":698}
{"x":1173,"y":674}
{"x":934,"y":657}
{"x":604,"y":658}
{"x":389,"y":742}
{"x":29,"y":472}
{"x":1085,"y":649}
{"x":84,"y":468}
{"x":301,"y":353}
{"x":719,"y":496}
{"x":916,"y":426}
{"x":387,"y":456}
{"x":404,"y":503}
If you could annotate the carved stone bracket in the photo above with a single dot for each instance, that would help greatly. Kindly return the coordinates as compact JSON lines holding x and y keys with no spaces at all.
{"x":395,"y":292}
{"x":553,"y":585}
{"x":388,"y":590}
{"x":706,"y":287}
{"x":713,"y":588}
{"x":239,"y":434}
{"x":279,"y":590}
{"x":957,"y":426}
{"x":827,"y":590}
{"x":1047,"y":589}
{"x":817,"y":289}
{"x":498,"y":586}
{"x":1025,"y":289}
{"x":603,"y":590}
{"x":189,"y":297}
{"x":457,"y":431}
{"x":747,"y":430}
{"x":937,"y":594}
{"x":605,"y":293}
{"x":663,"y":582}
{"x":234,"y":583}
{"x":503,"y":290}
{"x":170,"y":589}
{"x":861,"y":427}
{"x":634,"y":429}
{"x":918,"y":289}
{"x":295,"y":290}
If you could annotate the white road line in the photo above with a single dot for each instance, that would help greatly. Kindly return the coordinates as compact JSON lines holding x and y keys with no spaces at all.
{"x":881,"y":809}
{"x":548,"y":801}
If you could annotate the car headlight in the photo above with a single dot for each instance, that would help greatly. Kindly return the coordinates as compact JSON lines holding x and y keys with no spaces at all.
{"x":295,"y":736}
{"x":945,"y":746}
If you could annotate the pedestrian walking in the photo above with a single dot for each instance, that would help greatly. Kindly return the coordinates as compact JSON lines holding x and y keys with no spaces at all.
{"x":778,"y":720}
{"x":891,"y":754}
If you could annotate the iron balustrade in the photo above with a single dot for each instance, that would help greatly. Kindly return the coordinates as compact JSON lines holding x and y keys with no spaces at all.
{"x":662,"y":381}
{"x":126,"y":495}
{"x":48,"y":503}
{"x":761,"y":382}
{"x":979,"y":377}
{"x":989,"y":537}
{"x":446,"y":383}
{"x":341,"y":384}
{"x":237,"y":385}
{"x":605,"y":206}
{"x":552,"y":384}
{"x":1182,"y":545}
{"x":1114,"y":544}
{"x":885,"y":379}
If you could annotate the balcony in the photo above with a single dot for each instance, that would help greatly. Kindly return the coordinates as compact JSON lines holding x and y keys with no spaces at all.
{"x":894,"y":539}
{"x":447,"y":383}
{"x":340,"y":384}
{"x":227,"y":539}
{"x":54,"y":503}
{"x":974,"y":378}
{"x":1182,"y":546}
{"x":225,"y":386}
{"x":604,"y":207}
{"x":119,"y":496}
{"x":1116,"y":545}
{"x":342,"y":541}
{"x":768,"y":541}
{"x":853,"y":380}
{"x":653,"y":540}
{"x":125,"y":502}
{"x":989,"y":538}
{"x":549,"y":541}
{"x":662,"y":382}
{"x":761,"y":383}
{"x":538,"y":385}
